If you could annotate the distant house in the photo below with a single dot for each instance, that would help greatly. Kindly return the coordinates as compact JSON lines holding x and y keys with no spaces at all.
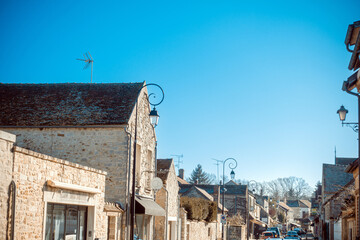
{"x":300,"y":208}
{"x":334,"y":178}
{"x":197,"y":192}
{"x":168,"y":198}
{"x":92,"y":125}
{"x":237,"y":200}
{"x":288,"y":212}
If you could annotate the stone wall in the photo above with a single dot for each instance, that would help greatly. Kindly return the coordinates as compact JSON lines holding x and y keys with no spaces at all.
{"x":32,"y":170}
{"x":6,"y":164}
{"x":146,"y":139}
{"x":171,"y":184}
{"x":100,"y":148}
{"x":201,"y":230}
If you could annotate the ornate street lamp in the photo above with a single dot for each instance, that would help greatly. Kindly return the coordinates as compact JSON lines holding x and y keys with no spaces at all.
{"x":252,"y":185}
{"x":342,"y":114}
{"x":232,"y":165}
{"x":154,"y":117}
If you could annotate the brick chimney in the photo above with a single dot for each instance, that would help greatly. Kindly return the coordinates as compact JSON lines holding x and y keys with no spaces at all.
{"x":181,"y":173}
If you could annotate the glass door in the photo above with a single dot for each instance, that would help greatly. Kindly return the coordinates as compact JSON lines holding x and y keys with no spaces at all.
{"x":65,"y":222}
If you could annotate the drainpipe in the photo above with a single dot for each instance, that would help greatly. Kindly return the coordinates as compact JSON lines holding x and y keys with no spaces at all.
{"x":167,"y":213}
{"x":155,"y":175}
{"x":128,"y":184}
{"x":12,"y":204}
{"x":178,"y":227}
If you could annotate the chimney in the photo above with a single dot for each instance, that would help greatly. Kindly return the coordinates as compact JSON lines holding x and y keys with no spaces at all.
{"x":181,"y":173}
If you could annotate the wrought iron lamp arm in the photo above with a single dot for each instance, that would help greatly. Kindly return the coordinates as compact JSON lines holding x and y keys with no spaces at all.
{"x":354,"y":126}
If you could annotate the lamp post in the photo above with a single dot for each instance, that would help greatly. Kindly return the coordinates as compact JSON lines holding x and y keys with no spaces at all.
{"x":253,"y":185}
{"x":232,"y":165}
{"x":154,"y":118}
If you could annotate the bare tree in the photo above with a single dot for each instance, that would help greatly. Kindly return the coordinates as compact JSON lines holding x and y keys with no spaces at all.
{"x":290,"y":188}
{"x":274,"y":189}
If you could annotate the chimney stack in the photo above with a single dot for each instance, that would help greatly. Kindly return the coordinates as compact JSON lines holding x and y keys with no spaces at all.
{"x":181,"y":173}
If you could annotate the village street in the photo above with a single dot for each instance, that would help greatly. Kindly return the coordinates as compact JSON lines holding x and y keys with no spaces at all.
{"x":179,"y":120}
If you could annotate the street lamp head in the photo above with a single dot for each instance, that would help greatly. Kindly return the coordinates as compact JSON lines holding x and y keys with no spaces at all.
{"x":232,"y":174}
{"x":154,"y":117}
{"x":342,"y":113}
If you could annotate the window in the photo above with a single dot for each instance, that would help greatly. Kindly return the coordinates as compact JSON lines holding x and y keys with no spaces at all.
{"x":142,"y":226}
{"x":65,"y":222}
{"x":149,"y":165}
{"x":138,"y":164}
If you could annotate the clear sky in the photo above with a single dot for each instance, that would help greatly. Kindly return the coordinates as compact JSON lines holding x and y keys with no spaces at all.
{"x":258,"y":81}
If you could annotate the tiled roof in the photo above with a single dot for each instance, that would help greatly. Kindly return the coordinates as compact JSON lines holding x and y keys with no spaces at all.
{"x":207,"y":187}
{"x":67,"y":104}
{"x":344,"y":161}
{"x":205,"y":194}
{"x":163,"y":168}
{"x":283,"y":205}
{"x":306,"y":202}
{"x":230,"y":189}
{"x":296,"y":203}
{"x":235,"y":189}
{"x":231,"y":182}
{"x":334,"y":177}
{"x":182,"y":181}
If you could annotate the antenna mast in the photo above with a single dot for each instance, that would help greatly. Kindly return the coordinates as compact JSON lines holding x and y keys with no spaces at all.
{"x":217,"y":166}
{"x":179,"y":161}
{"x":88,"y":60}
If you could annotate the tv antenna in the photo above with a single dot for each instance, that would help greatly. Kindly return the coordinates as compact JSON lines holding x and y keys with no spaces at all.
{"x":88,"y":60}
{"x":179,"y":161}
{"x":217,"y":166}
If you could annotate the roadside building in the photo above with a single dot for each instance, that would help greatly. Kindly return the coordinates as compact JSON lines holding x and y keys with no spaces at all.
{"x":334,"y":178}
{"x":168,"y":198}
{"x":92,"y":125}
{"x":288,"y":213}
{"x":300,"y":208}
{"x":215,"y":227}
{"x":43,"y":197}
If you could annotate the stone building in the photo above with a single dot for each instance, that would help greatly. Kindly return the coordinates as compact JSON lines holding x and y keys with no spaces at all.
{"x":334,"y":177}
{"x":168,"y":198}
{"x":288,"y":213}
{"x":91,"y":125}
{"x":42,"y":197}
{"x":300,"y":208}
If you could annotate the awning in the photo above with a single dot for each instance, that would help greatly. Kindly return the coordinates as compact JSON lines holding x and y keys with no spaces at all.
{"x":256,"y":221}
{"x":295,"y":224}
{"x":148,"y":206}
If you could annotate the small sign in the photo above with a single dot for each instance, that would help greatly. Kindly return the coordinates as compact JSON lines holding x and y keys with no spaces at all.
{"x":223,"y":219}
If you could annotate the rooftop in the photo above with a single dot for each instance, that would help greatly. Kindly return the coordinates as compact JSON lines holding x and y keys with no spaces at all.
{"x":334,"y":177}
{"x":67,"y":104}
{"x":163,"y":168}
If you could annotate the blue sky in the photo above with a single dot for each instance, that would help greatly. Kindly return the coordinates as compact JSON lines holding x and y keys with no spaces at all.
{"x":259,"y":81}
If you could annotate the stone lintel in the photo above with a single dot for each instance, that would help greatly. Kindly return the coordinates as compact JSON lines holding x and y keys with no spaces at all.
{"x":7,"y":136}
